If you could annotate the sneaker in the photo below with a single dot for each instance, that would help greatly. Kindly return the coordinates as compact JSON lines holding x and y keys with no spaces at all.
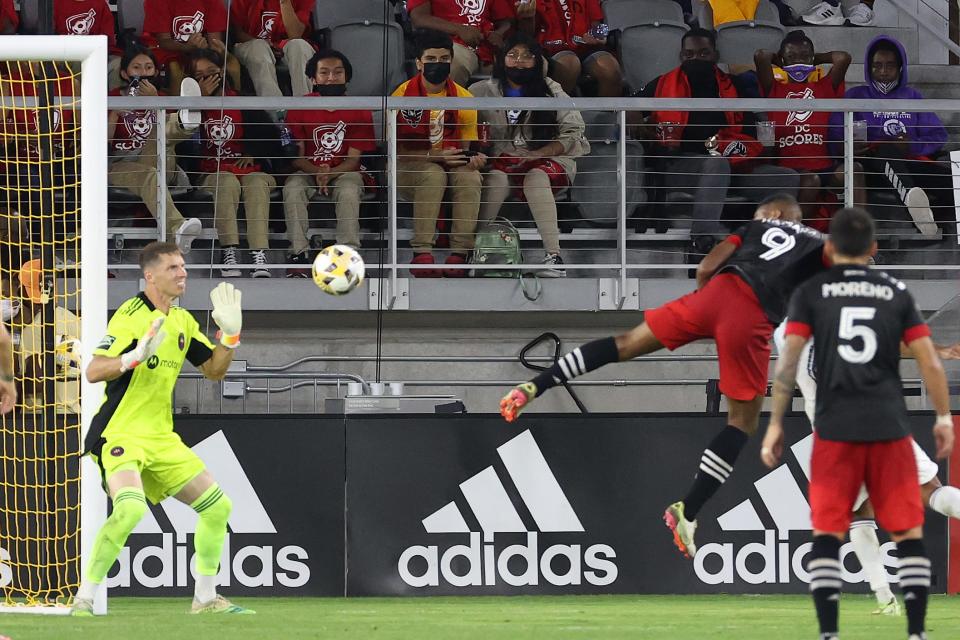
{"x":861,"y":16}
{"x":825,"y":15}
{"x":455,"y":258}
{"x":424,"y":258}
{"x":189,"y":119}
{"x":918,"y":204}
{"x":683,"y":529}
{"x":259,"y":259}
{"x":230,"y":268}
{"x":298,"y":259}
{"x":552,"y":267}
{"x":513,"y":404}
{"x":891,"y":608}
{"x":82,"y":607}
{"x":188,"y":231}
{"x":219,"y":605}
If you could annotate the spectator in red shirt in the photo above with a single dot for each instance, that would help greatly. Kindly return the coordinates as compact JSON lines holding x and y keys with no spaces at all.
{"x":89,"y":18}
{"x":175,"y":28}
{"x":9,"y":20}
{"x":268,"y":30}
{"x":331,"y":143}
{"x":476,"y":26}
{"x":231,"y":172}
{"x":565,"y":29}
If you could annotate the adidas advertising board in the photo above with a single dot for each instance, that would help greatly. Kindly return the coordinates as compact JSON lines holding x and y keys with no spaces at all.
{"x":285,"y":479}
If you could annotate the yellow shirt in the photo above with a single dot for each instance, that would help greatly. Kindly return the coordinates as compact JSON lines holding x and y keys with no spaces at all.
{"x":466,"y":118}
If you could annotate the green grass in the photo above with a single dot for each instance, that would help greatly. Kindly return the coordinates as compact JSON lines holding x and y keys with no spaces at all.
{"x":489,"y":618}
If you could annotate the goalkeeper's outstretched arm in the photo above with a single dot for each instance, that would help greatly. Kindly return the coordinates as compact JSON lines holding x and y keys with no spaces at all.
{"x":228,"y":315}
{"x":106,"y":368}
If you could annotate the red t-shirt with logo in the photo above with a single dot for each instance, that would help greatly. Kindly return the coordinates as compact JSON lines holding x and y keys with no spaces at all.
{"x":480,"y":14}
{"x":558,"y":21}
{"x":262,"y":18}
{"x":222,"y":141}
{"x":9,"y":13}
{"x":85,"y":18}
{"x":23,"y":123}
{"x":182,"y":18}
{"x":133,"y":130}
{"x":801,"y":136}
{"x":327,"y":136}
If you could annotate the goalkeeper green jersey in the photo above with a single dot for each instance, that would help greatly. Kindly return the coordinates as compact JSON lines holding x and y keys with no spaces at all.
{"x":140,"y":401}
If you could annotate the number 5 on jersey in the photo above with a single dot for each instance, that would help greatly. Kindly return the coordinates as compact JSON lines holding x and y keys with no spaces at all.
{"x":849,"y":330}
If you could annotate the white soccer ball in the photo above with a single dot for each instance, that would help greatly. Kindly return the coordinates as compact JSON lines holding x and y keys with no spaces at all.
{"x":338,"y":269}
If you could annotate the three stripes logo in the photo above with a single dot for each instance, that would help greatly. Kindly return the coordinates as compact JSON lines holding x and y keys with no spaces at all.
{"x":484,"y":562}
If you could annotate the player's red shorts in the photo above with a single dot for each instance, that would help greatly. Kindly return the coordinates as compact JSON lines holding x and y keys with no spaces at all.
{"x":728,"y":311}
{"x":889,"y":469}
{"x":516,"y":170}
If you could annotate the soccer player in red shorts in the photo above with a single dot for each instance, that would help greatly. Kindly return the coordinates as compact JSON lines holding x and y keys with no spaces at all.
{"x":744,"y":284}
{"x":858,"y":317}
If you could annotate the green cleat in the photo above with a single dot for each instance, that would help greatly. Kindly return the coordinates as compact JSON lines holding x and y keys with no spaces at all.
{"x":219,"y":605}
{"x":82,"y":608}
{"x":891,"y":608}
{"x":683,"y":529}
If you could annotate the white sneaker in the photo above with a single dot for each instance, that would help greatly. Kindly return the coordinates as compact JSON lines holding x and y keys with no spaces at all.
{"x":861,"y":16}
{"x":230,"y":268}
{"x":189,"y":119}
{"x":259,"y":259}
{"x":824,"y":14}
{"x":918,"y":204}
{"x":186,"y":233}
{"x":552,"y":267}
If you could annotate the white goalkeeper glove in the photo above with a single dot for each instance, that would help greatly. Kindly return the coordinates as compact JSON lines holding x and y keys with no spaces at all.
{"x":146,"y":346}
{"x":227,"y":313}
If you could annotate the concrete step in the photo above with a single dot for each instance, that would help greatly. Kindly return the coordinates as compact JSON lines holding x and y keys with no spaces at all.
{"x":856,"y":39}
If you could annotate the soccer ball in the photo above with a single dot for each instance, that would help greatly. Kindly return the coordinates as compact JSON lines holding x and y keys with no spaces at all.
{"x":338,"y":269}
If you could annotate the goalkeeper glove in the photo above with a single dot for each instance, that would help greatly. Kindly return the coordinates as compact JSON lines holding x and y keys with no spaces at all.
{"x":146,"y":346}
{"x":513,"y":404}
{"x":227,"y":313}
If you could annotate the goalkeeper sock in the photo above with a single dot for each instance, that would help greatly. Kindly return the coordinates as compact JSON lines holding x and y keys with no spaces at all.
{"x":581,"y":360}
{"x":129,"y":505}
{"x":826,"y":579}
{"x":946,"y":500}
{"x":213,"y":507}
{"x":863,"y":537}
{"x":913,"y":570}
{"x":716,"y":465}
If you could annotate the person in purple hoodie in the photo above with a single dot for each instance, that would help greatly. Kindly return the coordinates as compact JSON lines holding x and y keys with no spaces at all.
{"x":900,"y":146}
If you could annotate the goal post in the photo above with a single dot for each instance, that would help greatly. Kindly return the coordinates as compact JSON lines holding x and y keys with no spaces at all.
{"x":53,"y":504}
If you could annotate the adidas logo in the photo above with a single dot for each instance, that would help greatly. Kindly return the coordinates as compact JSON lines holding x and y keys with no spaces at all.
{"x":483,"y":562}
{"x":286,"y":566}
{"x":774,"y":560}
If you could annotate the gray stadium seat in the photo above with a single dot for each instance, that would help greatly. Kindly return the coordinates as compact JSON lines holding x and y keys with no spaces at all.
{"x":327,"y":15}
{"x":130,"y":15}
{"x":368,"y":45}
{"x":30,"y":17}
{"x":738,"y":41}
{"x":620,"y":14}
{"x":649,"y":50}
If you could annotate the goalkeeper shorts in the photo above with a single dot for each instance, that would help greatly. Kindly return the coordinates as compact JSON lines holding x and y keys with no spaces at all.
{"x":164,"y":462}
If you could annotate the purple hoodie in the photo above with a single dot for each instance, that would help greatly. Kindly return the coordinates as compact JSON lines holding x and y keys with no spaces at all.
{"x":924,"y":129}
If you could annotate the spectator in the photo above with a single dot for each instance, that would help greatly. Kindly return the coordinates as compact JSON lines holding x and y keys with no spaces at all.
{"x":9,"y":20}
{"x":533,"y":151}
{"x":699,"y":149}
{"x":175,"y":28}
{"x":477,"y":28}
{"x":267,"y":30}
{"x":231,"y":172}
{"x":897,"y":155}
{"x":431,"y":146}
{"x":133,"y":144}
{"x":90,"y":18}
{"x":829,"y":13}
{"x":331,"y":143}
{"x":571,"y":31}
{"x":800,"y":137}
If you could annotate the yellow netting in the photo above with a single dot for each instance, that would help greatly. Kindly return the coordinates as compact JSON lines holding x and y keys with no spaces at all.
{"x":39,"y":252}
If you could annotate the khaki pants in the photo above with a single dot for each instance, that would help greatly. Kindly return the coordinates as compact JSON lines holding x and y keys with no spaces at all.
{"x":226,"y":189}
{"x":424,"y":183}
{"x":539,"y":196}
{"x":258,"y":59}
{"x":346,"y":191}
{"x":139,"y":174}
{"x":465,"y":64}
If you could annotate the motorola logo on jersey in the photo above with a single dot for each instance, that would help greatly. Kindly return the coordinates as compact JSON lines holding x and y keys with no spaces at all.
{"x":152,"y":362}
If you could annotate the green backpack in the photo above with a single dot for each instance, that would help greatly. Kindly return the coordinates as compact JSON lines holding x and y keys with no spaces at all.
{"x":497,"y":242}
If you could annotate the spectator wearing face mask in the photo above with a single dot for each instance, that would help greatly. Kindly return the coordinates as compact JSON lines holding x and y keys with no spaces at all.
{"x":533,"y":151}
{"x":331,"y":143}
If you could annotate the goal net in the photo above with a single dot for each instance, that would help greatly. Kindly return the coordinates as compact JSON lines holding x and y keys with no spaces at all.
{"x":53,"y":279}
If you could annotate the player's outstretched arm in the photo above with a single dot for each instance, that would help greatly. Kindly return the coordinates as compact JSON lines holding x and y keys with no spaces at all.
{"x":8,"y":390}
{"x":784,"y":381}
{"x":105,"y":368}
{"x":931,"y":370}
{"x":228,"y":315}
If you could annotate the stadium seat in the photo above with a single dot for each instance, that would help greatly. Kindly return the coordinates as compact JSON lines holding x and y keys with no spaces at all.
{"x":375,"y":51}
{"x":30,"y":17}
{"x":327,"y":15}
{"x":650,"y":49}
{"x":130,"y":15}
{"x":620,"y":14}
{"x":738,"y":41}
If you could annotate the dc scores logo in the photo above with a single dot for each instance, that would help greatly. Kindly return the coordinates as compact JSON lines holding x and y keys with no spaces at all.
{"x":799,"y":117}
{"x":219,"y":133}
{"x":482,"y":562}
{"x":82,"y":23}
{"x":186,"y":26}
{"x":472,"y":9}
{"x":328,"y":140}
{"x":268,"y":19}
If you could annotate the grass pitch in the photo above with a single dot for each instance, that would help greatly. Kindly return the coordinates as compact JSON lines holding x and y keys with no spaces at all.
{"x":486,"y":618}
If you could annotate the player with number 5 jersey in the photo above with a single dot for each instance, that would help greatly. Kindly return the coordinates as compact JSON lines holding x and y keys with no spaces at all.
{"x":743,"y":287}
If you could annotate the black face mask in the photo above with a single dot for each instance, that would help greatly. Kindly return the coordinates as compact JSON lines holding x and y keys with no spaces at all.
{"x":436,"y":72}
{"x":521,"y":75}
{"x":330,"y":90}
{"x":697,"y":68}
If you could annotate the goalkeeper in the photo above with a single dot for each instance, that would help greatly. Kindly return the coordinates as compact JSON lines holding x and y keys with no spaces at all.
{"x":132,"y":438}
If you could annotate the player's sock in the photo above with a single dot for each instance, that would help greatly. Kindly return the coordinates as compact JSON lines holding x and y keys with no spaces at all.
{"x":914,"y":573}
{"x":716,"y":465}
{"x":129,"y":505}
{"x":946,"y":500}
{"x":863,"y":536}
{"x":213,"y":507}
{"x":581,"y":360}
{"x":826,"y":578}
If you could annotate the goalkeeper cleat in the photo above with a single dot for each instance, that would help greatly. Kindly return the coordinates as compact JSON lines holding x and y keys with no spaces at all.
{"x":891,"y":608}
{"x":82,"y":607}
{"x":513,"y":404}
{"x":219,"y":605}
{"x":683,"y":529}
